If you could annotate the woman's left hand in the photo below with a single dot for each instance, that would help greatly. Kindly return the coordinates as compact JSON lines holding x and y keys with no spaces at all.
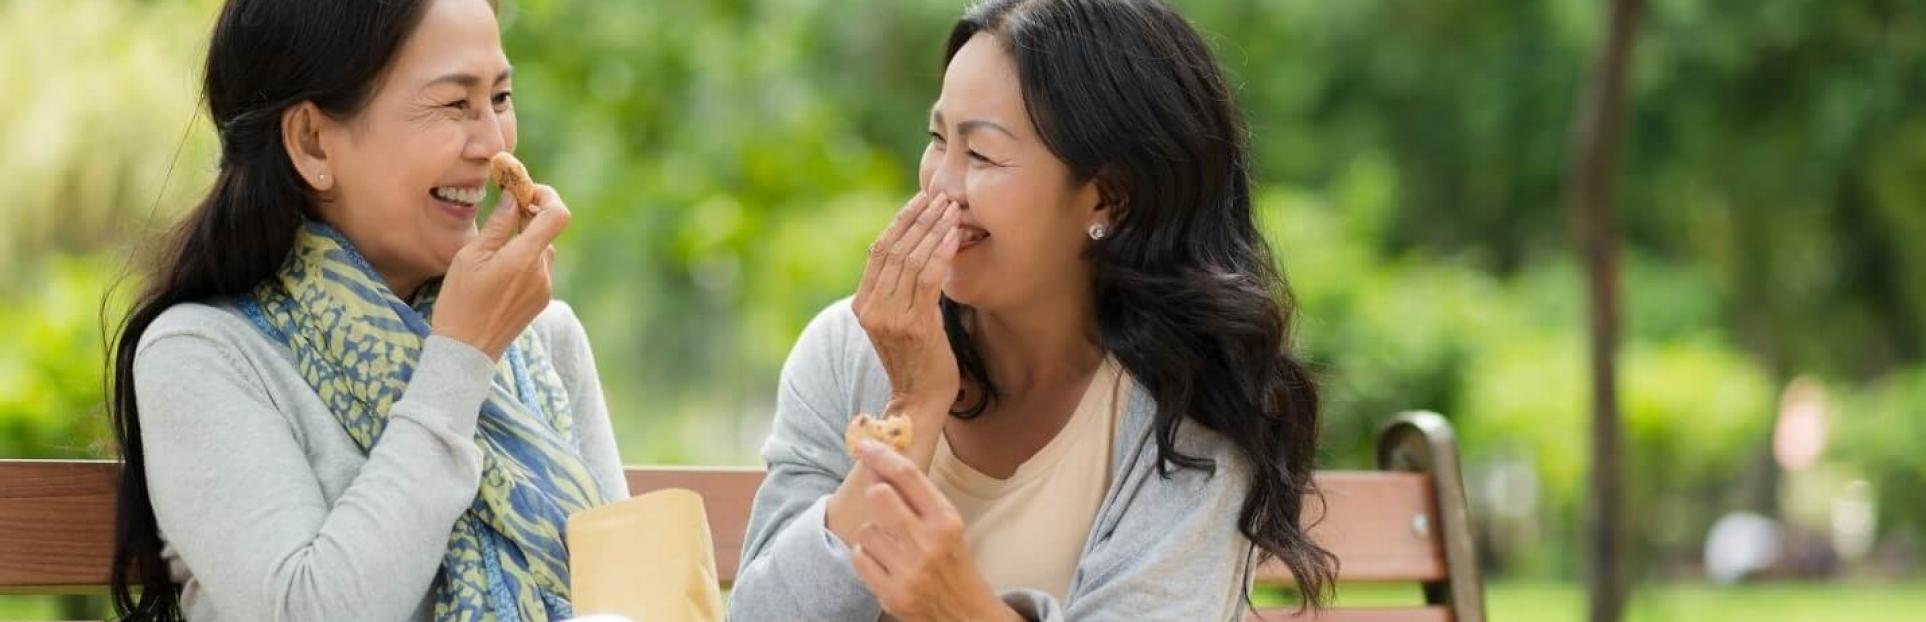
{"x":912,"y":555}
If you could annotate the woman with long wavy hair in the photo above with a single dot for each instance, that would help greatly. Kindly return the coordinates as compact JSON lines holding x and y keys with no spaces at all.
{"x":1087,"y":337}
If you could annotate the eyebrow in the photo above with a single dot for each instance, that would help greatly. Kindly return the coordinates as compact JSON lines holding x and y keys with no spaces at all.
{"x":973,"y":125}
{"x":469,"y":80}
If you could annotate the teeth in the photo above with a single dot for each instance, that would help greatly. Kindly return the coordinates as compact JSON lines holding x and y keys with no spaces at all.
{"x":469,"y":196}
{"x":974,"y":235}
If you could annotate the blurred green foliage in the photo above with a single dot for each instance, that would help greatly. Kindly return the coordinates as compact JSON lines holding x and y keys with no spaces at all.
{"x":728,"y":160}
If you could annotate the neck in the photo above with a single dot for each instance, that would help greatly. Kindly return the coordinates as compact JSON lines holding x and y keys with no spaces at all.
{"x":403,"y":282}
{"x":403,"y":285}
{"x":1049,"y":341}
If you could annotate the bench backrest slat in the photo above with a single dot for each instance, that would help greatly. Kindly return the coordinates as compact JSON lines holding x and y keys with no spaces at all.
{"x":1382,"y":525}
{"x":56,"y":525}
{"x":56,"y":522}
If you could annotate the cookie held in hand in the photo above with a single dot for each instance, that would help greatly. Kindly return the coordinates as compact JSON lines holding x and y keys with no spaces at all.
{"x":509,"y":174}
{"x":894,"y":431}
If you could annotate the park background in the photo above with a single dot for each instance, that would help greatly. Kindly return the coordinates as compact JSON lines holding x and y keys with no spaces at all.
{"x":728,"y":160}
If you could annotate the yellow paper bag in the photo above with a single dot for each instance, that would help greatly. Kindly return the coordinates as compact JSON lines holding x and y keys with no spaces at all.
{"x":649,"y":558}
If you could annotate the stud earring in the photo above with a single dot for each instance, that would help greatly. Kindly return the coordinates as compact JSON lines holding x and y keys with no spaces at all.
{"x":1098,"y":231}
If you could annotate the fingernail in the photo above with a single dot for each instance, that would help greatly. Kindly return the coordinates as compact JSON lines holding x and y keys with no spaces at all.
{"x":868,"y":448}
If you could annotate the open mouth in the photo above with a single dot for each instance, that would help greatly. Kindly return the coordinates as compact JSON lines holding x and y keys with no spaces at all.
{"x":971,"y":236}
{"x":463,"y":196}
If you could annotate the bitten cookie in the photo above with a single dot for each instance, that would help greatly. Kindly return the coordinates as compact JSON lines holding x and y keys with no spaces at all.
{"x":894,"y":431}
{"x":509,"y":174}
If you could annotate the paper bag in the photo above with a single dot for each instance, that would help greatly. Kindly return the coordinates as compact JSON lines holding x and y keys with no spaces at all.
{"x":649,"y":558}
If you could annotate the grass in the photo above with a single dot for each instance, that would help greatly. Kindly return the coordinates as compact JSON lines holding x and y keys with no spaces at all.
{"x":1782,"y":602}
{"x":1548,"y":602}
{"x":1682,"y":602}
{"x":49,"y":608}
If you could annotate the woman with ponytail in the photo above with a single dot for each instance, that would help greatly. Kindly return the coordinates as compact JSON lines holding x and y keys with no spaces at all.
{"x":336,"y":397}
{"x":1089,"y":340}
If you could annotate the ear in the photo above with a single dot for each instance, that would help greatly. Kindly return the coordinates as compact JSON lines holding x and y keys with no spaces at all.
{"x":301,"y":127}
{"x":1105,"y":196}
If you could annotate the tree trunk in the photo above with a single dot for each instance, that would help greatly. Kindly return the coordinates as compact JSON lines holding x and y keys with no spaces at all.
{"x":1589,"y":191}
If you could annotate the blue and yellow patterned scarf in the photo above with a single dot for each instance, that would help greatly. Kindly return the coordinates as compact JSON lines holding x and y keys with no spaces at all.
{"x":357,"y":343}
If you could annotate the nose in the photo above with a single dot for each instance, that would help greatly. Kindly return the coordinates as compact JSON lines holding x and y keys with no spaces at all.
{"x":949,"y":177}
{"x":486,"y":136}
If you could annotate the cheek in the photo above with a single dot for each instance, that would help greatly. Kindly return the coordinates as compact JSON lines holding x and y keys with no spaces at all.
{"x":1002,"y":202}
{"x":926,"y":169}
{"x":508,"y":129}
{"x":404,"y":160}
{"x":1033,"y":215}
{"x":419,"y":159}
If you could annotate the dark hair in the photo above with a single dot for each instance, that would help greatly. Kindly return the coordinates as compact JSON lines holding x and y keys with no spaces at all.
{"x":1188,"y":298}
{"x":265,"y":56}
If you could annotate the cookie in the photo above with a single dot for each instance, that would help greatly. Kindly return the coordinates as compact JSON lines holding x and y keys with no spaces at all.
{"x":894,"y":431}
{"x":508,"y":173}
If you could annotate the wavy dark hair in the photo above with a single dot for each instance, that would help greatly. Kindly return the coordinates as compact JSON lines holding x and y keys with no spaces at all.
{"x":1188,"y":298}
{"x":265,"y":56}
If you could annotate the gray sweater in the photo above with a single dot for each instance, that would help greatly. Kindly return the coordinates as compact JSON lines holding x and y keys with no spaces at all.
{"x":270,"y":512}
{"x":1160,"y":548}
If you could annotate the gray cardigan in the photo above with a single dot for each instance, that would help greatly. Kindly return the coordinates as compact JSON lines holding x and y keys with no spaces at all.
{"x":1160,"y":548}
{"x":270,"y":512}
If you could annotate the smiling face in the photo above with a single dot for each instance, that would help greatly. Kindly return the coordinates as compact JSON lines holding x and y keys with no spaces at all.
{"x":1024,"y":216}
{"x":410,"y":169}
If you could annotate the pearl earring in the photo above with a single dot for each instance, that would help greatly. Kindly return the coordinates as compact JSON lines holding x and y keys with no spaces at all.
{"x":1097,"y":231}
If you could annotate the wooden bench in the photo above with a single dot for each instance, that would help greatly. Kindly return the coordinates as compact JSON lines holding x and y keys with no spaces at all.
{"x":1406,"y":523}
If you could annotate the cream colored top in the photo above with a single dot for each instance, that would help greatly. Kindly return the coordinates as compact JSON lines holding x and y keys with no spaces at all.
{"x":1028,"y":531}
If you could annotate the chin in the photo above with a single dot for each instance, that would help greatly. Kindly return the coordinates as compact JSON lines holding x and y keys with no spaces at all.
{"x":962,"y":291}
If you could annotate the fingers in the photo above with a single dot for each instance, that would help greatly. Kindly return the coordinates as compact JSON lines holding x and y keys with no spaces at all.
{"x":879,"y":250}
{"x":542,"y":229}
{"x":887,"y":548}
{"x":869,"y":569}
{"x":904,"y":235}
{"x":890,"y":281}
{"x":919,"y":228}
{"x":938,"y":269}
{"x":921,"y":496}
{"x":904,"y":218}
{"x":888,"y":511}
{"x":501,"y":225}
{"x":920,"y":281}
{"x":545,"y":195}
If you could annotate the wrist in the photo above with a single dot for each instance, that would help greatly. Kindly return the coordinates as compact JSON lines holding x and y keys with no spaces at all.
{"x":492,"y":351}
{"x":992,"y":608}
{"x":919,"y":407}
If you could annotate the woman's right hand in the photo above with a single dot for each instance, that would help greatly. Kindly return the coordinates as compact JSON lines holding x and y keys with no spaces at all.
{"x":500,"y":281}
{"x":897,"y":304}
